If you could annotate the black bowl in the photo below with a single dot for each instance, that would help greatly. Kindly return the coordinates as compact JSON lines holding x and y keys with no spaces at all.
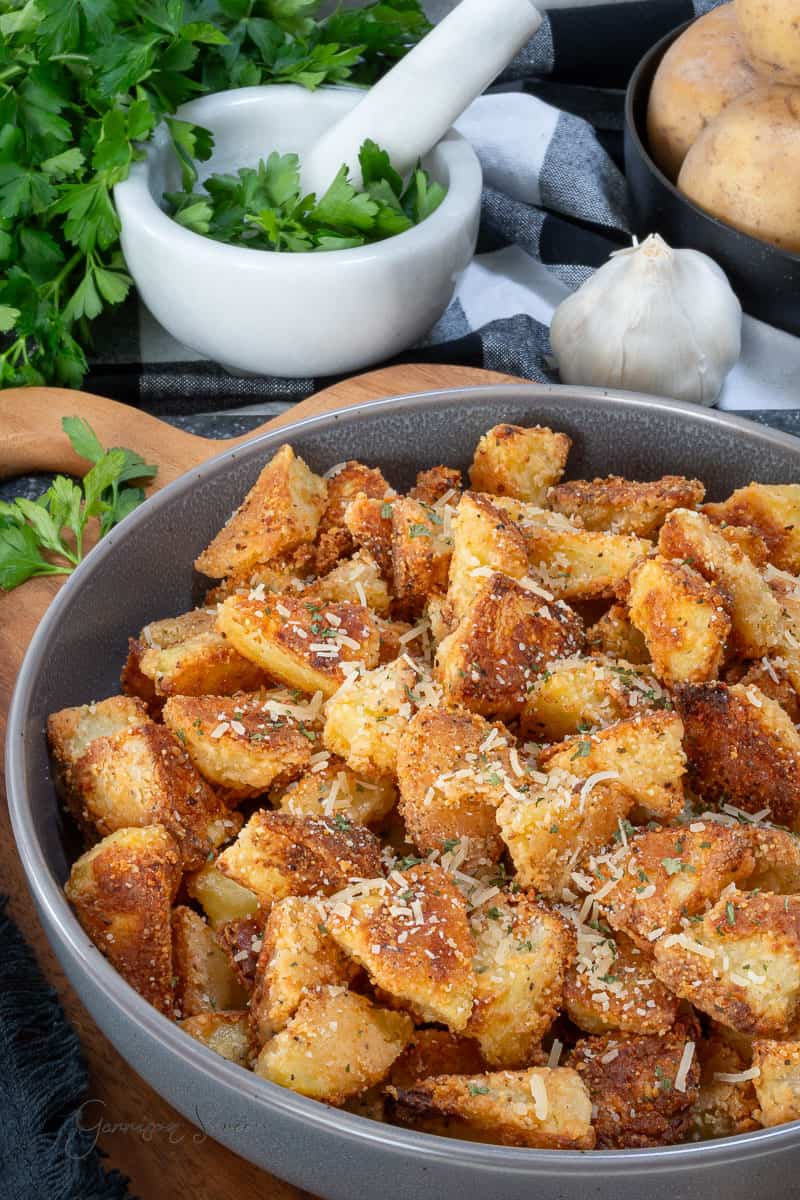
{"x":766,"y":279}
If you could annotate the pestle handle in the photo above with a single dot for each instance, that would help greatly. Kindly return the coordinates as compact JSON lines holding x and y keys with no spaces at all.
{"x":412,"y":107}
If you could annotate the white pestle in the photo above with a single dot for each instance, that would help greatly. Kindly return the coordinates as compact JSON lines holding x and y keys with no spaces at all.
{"x":412,"y":107}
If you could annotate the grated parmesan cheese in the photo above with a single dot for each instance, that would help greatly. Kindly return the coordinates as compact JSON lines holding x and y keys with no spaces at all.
{"x":683,"y":1067}
{"x":541,"y":1103}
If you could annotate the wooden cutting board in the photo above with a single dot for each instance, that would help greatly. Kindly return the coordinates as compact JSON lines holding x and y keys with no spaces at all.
{"x":141,"y":1134}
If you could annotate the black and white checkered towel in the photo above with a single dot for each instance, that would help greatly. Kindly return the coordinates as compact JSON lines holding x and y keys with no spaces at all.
{"x":549,"y":136}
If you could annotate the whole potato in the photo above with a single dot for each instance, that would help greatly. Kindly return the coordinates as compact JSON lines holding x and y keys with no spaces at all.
{"x":699,"y":75}
{"x":771,"y":34}
{"x":745,"y":166}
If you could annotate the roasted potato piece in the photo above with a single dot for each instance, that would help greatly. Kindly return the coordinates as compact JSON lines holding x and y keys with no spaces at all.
{"x":645,"y":751}
{"x":777,"y":1084}
{"x":581,"y":564}
{"x":221,"y":899}
{"x":538,"y":1108}
{"x":616,"y":636}
{"x":336,"y":1045}
{"x":777,"y":860}
{"x":439,"y":614}
{"x":642,"y":1092}
{"x":369,"y":522}
{"x":667,"y":875}
{"x":330,"y":788}
{"x":740,"y":963}
{"x":620,"y":505}
{"x":754,"y":611}
{"x":411,"y":933}
{"x":242,"y":940}
{"x":773,"y":511}
{"x":577,"y":693}
{"x":70,"y":732}
{"x":122,"y":892}
{"x":286,"y":572}
{"x":306,"y":644}
{"x":435,"y":1052}
{"x":557,"y":824}
{"x":748,"y":541}
{"x":355,"y":580}
{"x":506,"y":638}
{"x":742,"y":748}
{"x":281,"y":511}
{"x":451,"y":768}
{"x":512,"y":461}
{"x":366,"y":718}
{"x":435,"y":484}
{"x":334,"y":540}
{"x":204,"y":980}
{"x":235,"y":744}
{"x":421,"y":553}
{"x":681,"y":617}
{"x":726,"y":1103}
{"x":297,"y":957}
{"x":611,"y":986}
{"x":523,"y":951}
{"x":278,"y":855}
{"x":771,"y":678}
{"x":485,"y":541}
{"x":226,"y":1033}
{"x":203,"y":664}
{"x":143,"y":776}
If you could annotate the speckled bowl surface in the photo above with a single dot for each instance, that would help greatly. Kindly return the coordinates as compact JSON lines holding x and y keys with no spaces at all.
{"x":143,"y":570}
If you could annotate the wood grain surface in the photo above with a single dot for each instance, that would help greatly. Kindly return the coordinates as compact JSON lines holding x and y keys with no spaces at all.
{"x":142,"y":1136}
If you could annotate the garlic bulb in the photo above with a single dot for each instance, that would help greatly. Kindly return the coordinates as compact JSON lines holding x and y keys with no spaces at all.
{"x":651,"y":319}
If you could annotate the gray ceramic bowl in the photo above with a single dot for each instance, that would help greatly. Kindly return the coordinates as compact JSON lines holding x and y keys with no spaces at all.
{"x":143,"y":570}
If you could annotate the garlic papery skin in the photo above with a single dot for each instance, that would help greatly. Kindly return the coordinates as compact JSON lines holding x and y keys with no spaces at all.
{"x":651,"y":319}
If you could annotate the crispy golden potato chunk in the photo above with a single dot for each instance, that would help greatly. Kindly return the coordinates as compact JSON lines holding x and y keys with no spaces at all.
{"x":185,"y":656}
{"x":305,"y":644}
{"x":772,"y":678}
{"x":435,"y":1052}
{"x":122,"y":892}
{"x":421,"y":553}
{"x":278,"y":855}
{"x":611,"y":986}
{"x":742,"y":748}
{"x":740,"y":963}
{"x":726,"y":1103}
{"x":754,"y":611}
{"x":330,"y":788}
{"x":641,"y":1094}
{"x":369,"y":522}
{"x":221,"y":899}
{"x":577,"y":693}
{"x":523,"y":951}
{"x":355,"y":580}
{"x":644,"y":751}
{"x":71,"y":731}
{"x":297,"y":956}
{"x":235,"y":744}
{"x":334,"y":540}
{"x":748,"y":541}
{"x":485,"y":541}
{"x":226,"y":1033}
{"x":287,"y":572}
{"x":336,"y":1045}
{"x":777,"y":1084}
{"x":616,"y":636}
{"x":682,"y":619}
{"x":581,"y":564}
{"x":366,"y":718}
{"x":620,"y":505}
{"x":143,"y":776}
{"x":667,"y":875}
{"x":505,"y":639}
{"x":436,"y":484}
{"x":539,"y":1108}
{"x":204,"y":979}
{"x":411,"y":934}
{"x":512,"y":461}
{"x":281,"y":511}
{"x":451,"y":769}
{"x":777,"y":860}
{"x":773,"y":511}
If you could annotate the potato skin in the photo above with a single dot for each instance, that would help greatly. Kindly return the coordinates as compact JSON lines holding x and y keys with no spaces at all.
{"x":769,"y":34}
{"x":702,"y":72}
{"x":736,"y":168}
{"x":512,"y":461}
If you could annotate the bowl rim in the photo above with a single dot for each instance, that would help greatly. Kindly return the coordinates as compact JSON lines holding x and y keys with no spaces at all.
{"x":131,"y":1007}
{"x":142,"y":213}
{"x":658,"y":50}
